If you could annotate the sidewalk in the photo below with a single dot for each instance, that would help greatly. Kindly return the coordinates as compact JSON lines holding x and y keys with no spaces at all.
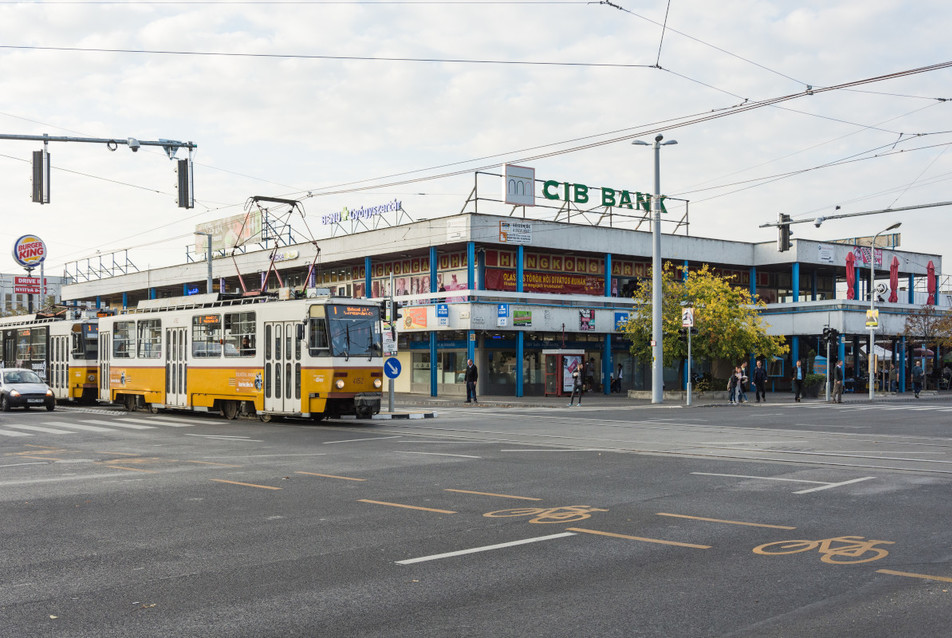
{"x":407,"y":400}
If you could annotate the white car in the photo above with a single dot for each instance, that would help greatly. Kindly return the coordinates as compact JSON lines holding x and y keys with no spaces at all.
{"x":21,"y":388}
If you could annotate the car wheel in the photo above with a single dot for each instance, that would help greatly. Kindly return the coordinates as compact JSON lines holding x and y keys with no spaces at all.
{"x":5,"y":403}
{"x":50,"y":407}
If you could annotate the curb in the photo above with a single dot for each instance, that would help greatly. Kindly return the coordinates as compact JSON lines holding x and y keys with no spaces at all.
{"x":389,"y":416}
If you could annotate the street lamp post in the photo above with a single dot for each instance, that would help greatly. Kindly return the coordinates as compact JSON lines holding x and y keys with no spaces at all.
{"x":657,"y":351}
{"x":872,"y":308}
{"x":208,"y":283}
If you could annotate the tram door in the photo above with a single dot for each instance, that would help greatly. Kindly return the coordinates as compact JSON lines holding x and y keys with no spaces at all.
{"x":58,"y":376}
{"x":176,"y":395}
{"x":105,"y":352}
{"x":282,"y":367}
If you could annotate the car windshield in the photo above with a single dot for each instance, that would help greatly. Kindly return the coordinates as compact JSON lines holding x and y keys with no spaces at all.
{"x":21,"y":376}
{"x":354,"y":331}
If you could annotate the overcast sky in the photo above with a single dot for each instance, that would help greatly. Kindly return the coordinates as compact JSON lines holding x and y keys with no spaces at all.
{"x":286,"y":99}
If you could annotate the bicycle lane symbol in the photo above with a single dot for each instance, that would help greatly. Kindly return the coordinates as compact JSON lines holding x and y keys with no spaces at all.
{"x":839,"y":550}
{"x":543,"y":515}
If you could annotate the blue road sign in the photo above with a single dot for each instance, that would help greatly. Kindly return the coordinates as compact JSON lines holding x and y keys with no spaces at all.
{"x":391,"y":368}
{"x":442,"y":310}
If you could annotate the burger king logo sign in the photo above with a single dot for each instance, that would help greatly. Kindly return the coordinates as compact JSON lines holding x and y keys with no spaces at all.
{"x":29,"y":251}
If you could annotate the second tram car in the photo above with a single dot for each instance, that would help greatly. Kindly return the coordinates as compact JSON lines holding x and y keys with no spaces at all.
{"x":313,"y":357}
{"x":61,"y":350}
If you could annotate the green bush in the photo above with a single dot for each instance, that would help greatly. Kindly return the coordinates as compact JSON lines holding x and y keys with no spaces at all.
{"x":814,"y":379}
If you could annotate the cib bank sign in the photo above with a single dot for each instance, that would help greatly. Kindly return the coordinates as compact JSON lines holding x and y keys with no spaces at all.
{"x":519,"y":190}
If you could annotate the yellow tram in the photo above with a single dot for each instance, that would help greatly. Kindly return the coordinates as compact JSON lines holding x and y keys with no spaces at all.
{"x":313,"y":357}
{"x":61,"y":348}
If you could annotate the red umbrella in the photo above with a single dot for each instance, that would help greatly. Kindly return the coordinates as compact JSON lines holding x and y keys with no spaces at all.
{"x":894,"y":280}
{"x":850,"y":275}
{"x":930,"y":281}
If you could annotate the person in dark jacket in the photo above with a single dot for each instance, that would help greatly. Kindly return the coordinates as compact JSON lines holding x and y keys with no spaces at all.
{"x":471,"y":376}
{"x":760,"y":381}
{"x":798,"y":375}
{"x":578,"y":383}
{"x":838,"y":382}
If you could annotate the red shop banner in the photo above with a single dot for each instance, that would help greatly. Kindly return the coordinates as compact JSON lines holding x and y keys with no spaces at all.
{"x":551,"y":282}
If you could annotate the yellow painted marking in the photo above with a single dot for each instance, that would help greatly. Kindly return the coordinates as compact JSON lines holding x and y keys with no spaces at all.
{"x":911,"y":575}
{"x":409,"y":507}
{"x":210,"y":463}
{"x":264,"y":487}
{"x":637,"y":538}
{"x":343,"y":478}
{"x":131,"y":469}
{"x":522,"y":498}
{"x":718,"y":520}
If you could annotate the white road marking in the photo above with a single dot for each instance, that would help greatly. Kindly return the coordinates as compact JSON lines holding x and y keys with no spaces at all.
{"x":225,"y":437}
{"x":79,"y":426}
{"x":10,"y":433}
{"x":39,"y":428}
{"x":826,"y":487}
{"x":118,"y":424}
{"x":461,"y":456}
{"x":158,"y":421}
{"x":373,"y":438}
{"x":485,"y":548}
{"x":30,"y":463}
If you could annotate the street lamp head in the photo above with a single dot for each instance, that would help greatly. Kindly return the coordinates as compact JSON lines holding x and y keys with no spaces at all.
{"x":659,"y":137}
{"x":893,"y":227}
{"x":640,"y":143}
{"x":669,"y":142}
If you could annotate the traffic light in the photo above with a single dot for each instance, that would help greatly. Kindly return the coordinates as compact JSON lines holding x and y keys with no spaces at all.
{"x":385,"y":310}
{"x":684,"y":331}
{"x":831,"y":336}
{"x":41,"y":177}
{"x":186,"y":199}
{"x":783,"y":226}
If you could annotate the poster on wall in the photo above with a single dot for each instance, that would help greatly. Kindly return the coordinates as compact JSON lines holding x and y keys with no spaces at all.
{"x":586,"y":320}
{"x":522,"y":318}
{"x":414,"y":318}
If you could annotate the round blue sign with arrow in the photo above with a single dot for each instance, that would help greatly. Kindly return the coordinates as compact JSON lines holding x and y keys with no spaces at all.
{"x":391,"y":368}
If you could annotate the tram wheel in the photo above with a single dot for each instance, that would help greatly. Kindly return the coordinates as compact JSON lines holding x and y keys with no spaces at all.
{"x":317,"y":416}
{"x":229,"y":409}
{"x":130,"y":403}
{"x":264,"y":417}
{"x":153,"y":409}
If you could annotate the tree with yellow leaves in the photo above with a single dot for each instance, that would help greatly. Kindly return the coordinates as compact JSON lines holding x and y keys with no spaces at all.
{"x":727,"y":318}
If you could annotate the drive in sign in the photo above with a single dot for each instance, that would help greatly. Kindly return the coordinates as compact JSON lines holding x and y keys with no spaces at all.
{"x":29,"y":251}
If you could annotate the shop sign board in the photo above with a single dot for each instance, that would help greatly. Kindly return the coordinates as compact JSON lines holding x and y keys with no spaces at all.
{"x":28,"y":285}
{"x":519,"y":185}
{"x":29,"y":251}
{"x":515,"y":232}
{"x":502,"y":315}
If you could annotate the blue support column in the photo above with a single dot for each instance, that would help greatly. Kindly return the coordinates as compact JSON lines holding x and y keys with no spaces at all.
{"x":125,"y":300}
{"x":841,"y":348}
{"x":912,"y":286}
{"x":481,"y":270}
{"x":433,"y":376}
{"x":856,"y":276}
{"x":152,"y":293}
{"x":794,"y":353}
{"x":753,"y":280}
{"x":684,"y":271}
{"x":795,"y":277}
{"x":813,"y":282}
{"x":471,"y":264}
{"x":520,"y":271}
{"x":98,"y":302}
{"x":471,"y":344}
{"x":608,"y":274}
{"x":367,"y":278}
{"x":902,"y":365}
{"x":607,"y":365}
{"x":520,"y":358}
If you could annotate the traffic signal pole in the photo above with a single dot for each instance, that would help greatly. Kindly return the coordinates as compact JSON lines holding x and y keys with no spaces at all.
{"x":393,"y":318}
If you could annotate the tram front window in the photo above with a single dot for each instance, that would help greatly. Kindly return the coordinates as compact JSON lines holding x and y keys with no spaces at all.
{"x":354,"y":331}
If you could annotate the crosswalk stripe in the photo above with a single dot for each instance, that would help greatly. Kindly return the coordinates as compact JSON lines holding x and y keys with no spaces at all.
{"x":79,"y":426}
{"x":115,"y":423}
{"x":11,"y":433}
{"x":39,"y":428}
{"x":157,"y":421}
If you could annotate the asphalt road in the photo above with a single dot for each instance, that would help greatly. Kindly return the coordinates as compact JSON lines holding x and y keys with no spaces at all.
{"x":770,"y":520}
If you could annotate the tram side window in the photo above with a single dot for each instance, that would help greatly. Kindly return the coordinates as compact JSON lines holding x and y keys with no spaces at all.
{"x":23,"y":345}
{"x":150,"y":339}
{"x":124,"y":340}
{"x":38,"y":344}
{"x":240,"y":338}
{"x":317,"y":342}
{"x":206,"y":336}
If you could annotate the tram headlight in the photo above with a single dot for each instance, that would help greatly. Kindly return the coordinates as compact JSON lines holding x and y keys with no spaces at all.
{"x":340,"y":384}
{"x":378,"y":383}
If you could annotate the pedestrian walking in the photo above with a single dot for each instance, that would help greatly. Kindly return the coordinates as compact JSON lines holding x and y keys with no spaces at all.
{"x":917,"y":375}
{"x":894,"y":379}
{"x":797,"y":382}
{"x":838,"y":382}
{"x":471,"y":376}
{"x":578,"y":383}
{"x":760,"y":381}
{"x":733,"y":383}
{"x":743,"y":384}
{"x":618,"y":378}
